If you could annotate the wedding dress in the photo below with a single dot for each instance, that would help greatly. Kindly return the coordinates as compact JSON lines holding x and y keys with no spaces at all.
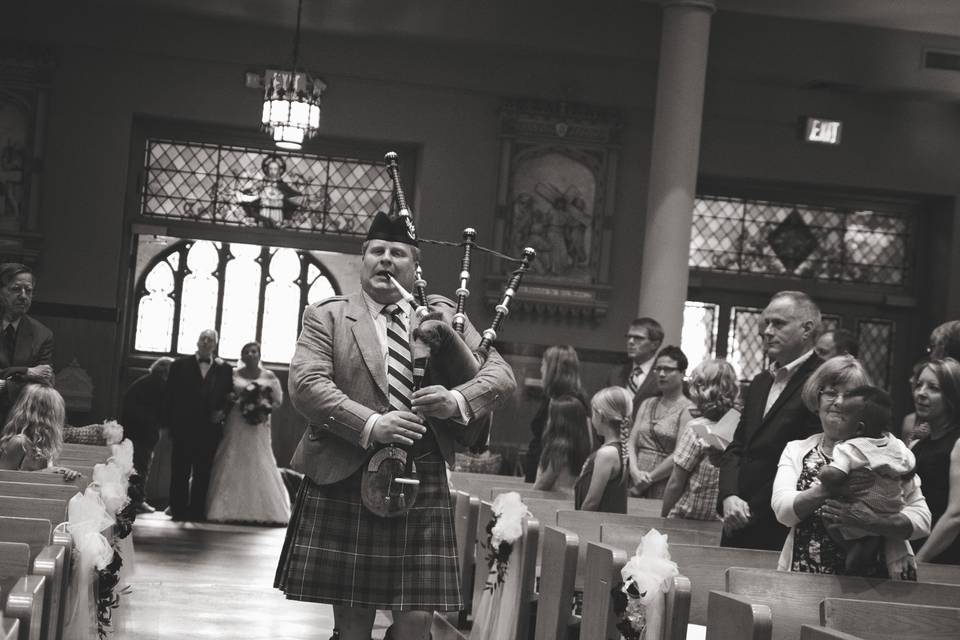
{"x":245,"y":484}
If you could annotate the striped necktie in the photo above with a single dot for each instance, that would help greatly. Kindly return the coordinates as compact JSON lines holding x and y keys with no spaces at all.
{"x":634,"y":383}
{"x":399,"y":369}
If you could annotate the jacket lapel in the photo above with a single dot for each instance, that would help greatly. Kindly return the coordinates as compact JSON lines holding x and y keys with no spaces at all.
{"x":756,"y":417}
{"x":365,"y":335}
{"x":793,"y":385}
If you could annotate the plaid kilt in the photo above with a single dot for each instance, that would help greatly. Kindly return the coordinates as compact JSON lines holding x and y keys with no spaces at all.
{"x":337,"y":552}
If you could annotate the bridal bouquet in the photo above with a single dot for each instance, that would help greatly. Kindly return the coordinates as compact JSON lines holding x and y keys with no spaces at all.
{"x":256,"y":402}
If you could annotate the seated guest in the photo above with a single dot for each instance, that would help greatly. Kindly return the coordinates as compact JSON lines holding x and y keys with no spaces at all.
{"x":26,"y":345}
{"x":693,"y":486}
{"x":945,"y":341}
{"x":866,"y":447}
{"x":657,"y":426}
{"x":566,"y":445}
{"x":602,"y":485}
{"x":141,"y":417}
{"x":937,"y":400}
{"x":33,"y":435}
{"x":560,"y":374}
{"x":801,"y":502}
{"x":837,"y":342}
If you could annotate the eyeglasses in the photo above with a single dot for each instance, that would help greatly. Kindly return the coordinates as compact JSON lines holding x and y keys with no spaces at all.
{"x":830,"y":395}
{"x":27,"y":291}
{"x":665,"y":370}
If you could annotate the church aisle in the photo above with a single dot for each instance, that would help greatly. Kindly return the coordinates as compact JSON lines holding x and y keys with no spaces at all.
{"x":203,"y":581}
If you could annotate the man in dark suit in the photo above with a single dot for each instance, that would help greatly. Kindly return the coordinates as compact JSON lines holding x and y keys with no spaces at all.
{"x":196,"y":400}
{"x":142,"y":416}
{"x":351,"y":377}
{"x":644,"y":337}
{"x":773,"y":415}
{"x":26,"y":345}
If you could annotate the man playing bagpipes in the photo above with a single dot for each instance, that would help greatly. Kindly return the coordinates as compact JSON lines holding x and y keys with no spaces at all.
{"x":354,"y":377}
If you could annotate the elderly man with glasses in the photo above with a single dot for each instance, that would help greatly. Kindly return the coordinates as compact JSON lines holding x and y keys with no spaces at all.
{"x":26,"y":345}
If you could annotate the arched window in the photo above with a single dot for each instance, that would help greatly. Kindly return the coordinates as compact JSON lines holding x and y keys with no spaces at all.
{"x":246,"y":292}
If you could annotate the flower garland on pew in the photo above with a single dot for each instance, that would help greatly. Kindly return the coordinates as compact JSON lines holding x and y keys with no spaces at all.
{"x":637,"y":601}
{"x":504,"y":528}
{"x":106,"y":502}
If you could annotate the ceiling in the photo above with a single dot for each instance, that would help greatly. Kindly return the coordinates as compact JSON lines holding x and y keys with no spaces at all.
{"x":927,"y":16}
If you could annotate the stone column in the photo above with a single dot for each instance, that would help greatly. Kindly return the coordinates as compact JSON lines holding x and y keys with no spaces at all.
{"x":677,"y":121}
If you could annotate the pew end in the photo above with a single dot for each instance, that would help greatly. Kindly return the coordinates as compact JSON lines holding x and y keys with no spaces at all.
{"x":874,"y":619}
{"x":733,"y":616}
{"x":24,"y":602}
{"x":810,"y":632}
{"x":9,"y":628}
{"x":560,"y":549}
{"x":677,"y":609}
{"x":603,"y":565}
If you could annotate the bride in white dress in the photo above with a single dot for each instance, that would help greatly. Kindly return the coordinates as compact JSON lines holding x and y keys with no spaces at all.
{"x":245,"y":484}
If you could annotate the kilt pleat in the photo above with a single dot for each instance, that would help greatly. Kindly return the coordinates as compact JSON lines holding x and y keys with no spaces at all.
{"x":337,"y":552}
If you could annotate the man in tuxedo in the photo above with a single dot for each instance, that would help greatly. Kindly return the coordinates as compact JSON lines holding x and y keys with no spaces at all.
{"x":196,"y":400}
{"x":142,"y":416}
{"x":644,"y":337}
{"x":353,"y":378}
{"x":26,"y":345}
{"x":773,"y":415}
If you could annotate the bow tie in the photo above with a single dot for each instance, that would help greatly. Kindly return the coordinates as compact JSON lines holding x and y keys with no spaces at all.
{"x":206,"y":360}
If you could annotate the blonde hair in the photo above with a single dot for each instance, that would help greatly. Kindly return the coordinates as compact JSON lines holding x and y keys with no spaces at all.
{"x":38,"y":414}
{"x":615,"y":407}
{"x":713,"y":388}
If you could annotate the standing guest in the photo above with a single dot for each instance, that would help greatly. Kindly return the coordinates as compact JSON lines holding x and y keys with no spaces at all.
{"x":195,"y":401}
{"x":804,"y":504}
{"x":336,"y":551}
{"x":602,"y":485}
{"x":937,"y":400}
{"x":142,"y":416}
{"x":693,"y":487}
{"x":912,"y":431}
{"x":644,"y":337}
{"x":566,"y":445}
{"x":560,"y":373}
{"x":33,"y":434}
{"x":945,"y":341}
{"x":657,"y":426}
{"x":773,"y":415}
{"x":26,"y":345}
{"x":245,"y":484}
{"x":837,"y":342}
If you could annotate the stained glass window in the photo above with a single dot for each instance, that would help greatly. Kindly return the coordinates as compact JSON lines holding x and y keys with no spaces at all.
{"x":240,"y":186}
{"x":247,"y":292}
{"x":699,"y":336}
{"x":875,"y":339}
{"x":796,"y":240}
{"x":745,"y":342}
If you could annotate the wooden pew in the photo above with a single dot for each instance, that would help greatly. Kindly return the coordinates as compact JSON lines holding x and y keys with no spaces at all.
{"x":479,"y":484}
{"x":876,"y":620}
{"x":9,"y":627}
{"x":40,"y":477}
{"x":810,"y":632}
{"x":942,"y":573}
{"x":732,"y":616}
{"x":30,"y":490}
{"x":705,"y":566}
{"x":466,"y":513}
{"x":48,"y":558}
{"x":603,"y":575}
{"x":644,"y":507}
{"x":794,"y":598}
{"x":46,"y":509}
{"x":525,"y":494}
{"x":559,"y":549}
{"x":92,"y":454}
{"x":525,"y":563}
{"x":23,"y":592}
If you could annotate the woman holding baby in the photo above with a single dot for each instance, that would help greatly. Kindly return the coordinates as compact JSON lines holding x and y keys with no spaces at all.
{"x":849,"y":493}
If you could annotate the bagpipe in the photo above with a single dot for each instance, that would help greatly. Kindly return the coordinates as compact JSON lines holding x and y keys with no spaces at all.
{"x":390,"y":485}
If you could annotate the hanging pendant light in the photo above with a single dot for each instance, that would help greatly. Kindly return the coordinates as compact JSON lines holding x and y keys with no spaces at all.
{"x":291,"y":100}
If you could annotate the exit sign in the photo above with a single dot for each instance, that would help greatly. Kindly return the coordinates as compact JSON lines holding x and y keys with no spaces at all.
{"x":822,"y":131}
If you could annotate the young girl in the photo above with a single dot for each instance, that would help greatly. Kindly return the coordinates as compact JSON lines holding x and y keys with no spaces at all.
{"x":565,"y":445}
{"x":33,"y":435}
{"x":602,"y":485}
{"x":694,"y":483}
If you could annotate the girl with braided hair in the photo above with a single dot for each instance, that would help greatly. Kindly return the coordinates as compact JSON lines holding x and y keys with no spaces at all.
{"x":602,"y":485}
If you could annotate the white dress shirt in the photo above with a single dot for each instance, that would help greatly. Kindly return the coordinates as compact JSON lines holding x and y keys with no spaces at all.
{"x":781,"y":376}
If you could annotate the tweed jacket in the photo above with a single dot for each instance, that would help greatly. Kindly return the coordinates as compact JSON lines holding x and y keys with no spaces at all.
{"x":338,"y":380}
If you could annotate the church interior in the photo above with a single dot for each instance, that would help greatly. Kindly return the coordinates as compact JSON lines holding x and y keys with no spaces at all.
{"x":679,"y":159}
